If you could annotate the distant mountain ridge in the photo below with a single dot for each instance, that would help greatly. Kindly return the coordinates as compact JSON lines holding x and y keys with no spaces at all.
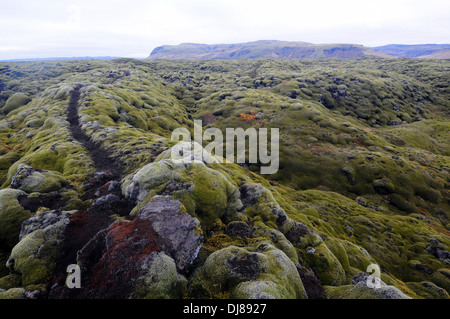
{"x":293,"y":50}
{"x":263,"y":49}
{"x":413,"y":50}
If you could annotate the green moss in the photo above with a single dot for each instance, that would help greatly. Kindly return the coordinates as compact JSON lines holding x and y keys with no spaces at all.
{"x":361,"y":291}
{"x":34,"y":123}
{"x":42,"y":182}
{"x":326,"y":266}
{"x":428,"y":290}
{"x":371,"y":236}
{"x":248,"y":273}
{"x":205,"y":193}
{"x":11,"y":216}
{"x":138,"y":120}
{"x":72,"y":201}
{"x":8,"y":159}
{"x":402,"y":204}
{"x":34,"y":257}
{"x":383,"y":186}
{"x":10,"y":281}
{"x":161,"y":281}
{"x":15,"y":101}
{"x":334,"y":154}
{"x":13,"y":293}
{"x":441,"y":278}
{"x":34,"y":271}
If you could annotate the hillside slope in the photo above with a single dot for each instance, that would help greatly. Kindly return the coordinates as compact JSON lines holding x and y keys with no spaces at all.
{"x":442,"y":54}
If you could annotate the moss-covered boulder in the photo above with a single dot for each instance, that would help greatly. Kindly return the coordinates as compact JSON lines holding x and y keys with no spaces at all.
{"x":260,"y":271}
{"x":361,"y":290}
{"x":325,"y":265}
{"x":13,"y":293}
{"x":10,"y":281}
{"x":34,"y":123}
{"x":11,"y":216}
{"x":161,"y":280}
{"x":206,"y":193}
{"x":39,"y":181}
{"x":35,"y":256}
{"x":441,"y":277}
{"x":15,"y":101}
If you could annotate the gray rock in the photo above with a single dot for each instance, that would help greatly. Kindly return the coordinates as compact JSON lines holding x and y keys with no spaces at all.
{"x":107,"y":200}
{"x":361,"y":277}
{"x":34,"y":123}
{"x":439,"y":252}
{"x":361,"y":201}
{"x":384,"y":292}
{"x":31,"y":180}
{"x":42,"y":220}
{"x":239,"y":228}
{"x":238,"y":96}
{"x":6,"y":125}
{"x":180,"y":234}
{"x":22,"y":172}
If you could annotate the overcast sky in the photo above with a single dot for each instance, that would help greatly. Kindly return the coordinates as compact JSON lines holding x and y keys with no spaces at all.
{"x":133,"y":28}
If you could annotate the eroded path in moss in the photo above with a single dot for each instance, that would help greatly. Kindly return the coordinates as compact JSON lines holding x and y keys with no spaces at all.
{"x":103,"y":189}
{"x":102,"y":159}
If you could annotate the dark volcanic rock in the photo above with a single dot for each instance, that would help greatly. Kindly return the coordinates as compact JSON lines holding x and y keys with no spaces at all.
{"x":32,"y":203}
{"x":42,"y":220}
{"x":114,"y":257}
{"x":180,"y":234}
{"x":239,"y":228}
{"x":246,"y":266}
{"x":115,"y":260}
{"x":22,"y":172}
{"x":439,"y":252}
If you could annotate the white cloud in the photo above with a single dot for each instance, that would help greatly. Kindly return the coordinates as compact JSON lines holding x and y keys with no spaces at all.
{"x":133,"y":28}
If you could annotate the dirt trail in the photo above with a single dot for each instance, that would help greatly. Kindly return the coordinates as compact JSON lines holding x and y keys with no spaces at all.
{"x":102,"y":159}
{"x":103,"y":189}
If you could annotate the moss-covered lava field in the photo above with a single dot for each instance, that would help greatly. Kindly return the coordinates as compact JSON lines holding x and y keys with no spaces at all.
{"x":87,"y":178}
